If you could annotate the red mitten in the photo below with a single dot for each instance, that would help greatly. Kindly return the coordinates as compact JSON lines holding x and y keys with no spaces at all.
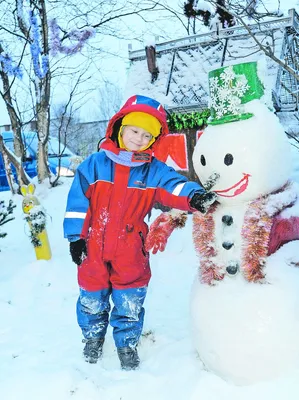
{"x":161,"y":229}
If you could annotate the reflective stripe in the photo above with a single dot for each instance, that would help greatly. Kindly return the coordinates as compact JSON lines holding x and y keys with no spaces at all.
{"x":178,"y":189}
{"x":74,"y":214}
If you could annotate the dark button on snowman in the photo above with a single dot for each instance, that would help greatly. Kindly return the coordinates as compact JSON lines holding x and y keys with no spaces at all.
{"x":232,"y":267}
{"x":245,"y":300}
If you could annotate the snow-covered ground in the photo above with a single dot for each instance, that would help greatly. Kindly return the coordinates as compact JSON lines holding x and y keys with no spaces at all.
{"x":40,"y":342}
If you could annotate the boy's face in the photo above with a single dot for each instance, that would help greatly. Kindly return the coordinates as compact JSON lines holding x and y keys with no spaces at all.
{"x":135,"y":138}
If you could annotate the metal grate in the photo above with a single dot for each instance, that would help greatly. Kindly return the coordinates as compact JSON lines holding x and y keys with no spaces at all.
{"x":287,"y":87}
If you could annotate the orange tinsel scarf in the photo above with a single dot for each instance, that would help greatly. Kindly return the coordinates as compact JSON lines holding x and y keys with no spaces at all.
{"x":255,"y":234}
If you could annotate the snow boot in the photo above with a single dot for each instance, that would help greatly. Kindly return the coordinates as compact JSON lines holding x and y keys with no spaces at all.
{"x":93,"y":349}
{"x":128,"y":357}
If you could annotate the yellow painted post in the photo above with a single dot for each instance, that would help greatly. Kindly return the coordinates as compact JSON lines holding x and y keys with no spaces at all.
{"x":36,"y":219}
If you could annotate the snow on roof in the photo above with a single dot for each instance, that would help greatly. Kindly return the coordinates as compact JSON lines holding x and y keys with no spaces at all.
{"x":184,"y":64}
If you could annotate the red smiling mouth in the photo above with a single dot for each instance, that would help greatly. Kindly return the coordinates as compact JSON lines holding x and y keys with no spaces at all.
{"x":236,"y":189}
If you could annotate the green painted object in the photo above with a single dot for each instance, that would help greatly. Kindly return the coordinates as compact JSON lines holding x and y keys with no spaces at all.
{"x":230,"y":88}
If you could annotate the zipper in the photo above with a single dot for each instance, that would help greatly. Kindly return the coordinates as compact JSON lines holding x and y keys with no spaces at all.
{"x":120,"y":184}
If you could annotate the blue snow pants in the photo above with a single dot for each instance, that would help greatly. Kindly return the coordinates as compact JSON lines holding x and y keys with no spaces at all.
{"x":126,"y":317}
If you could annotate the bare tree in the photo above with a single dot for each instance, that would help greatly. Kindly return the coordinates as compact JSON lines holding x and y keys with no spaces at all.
{"x":203,"y":10}
{"x":63,"y":122}
{"x":240,"y":13}
{"x":109,"y":97}
{"x":16,"y":128}
{"x":32,"y":32}
{"x":251,"y":7}
{"x":48,"y":32}
{"x":36,"y":32}
{"x":83,"y":137}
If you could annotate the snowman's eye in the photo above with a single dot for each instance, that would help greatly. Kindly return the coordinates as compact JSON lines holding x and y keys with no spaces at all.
{"x":202,"y":160}
{"x":228,"y":159}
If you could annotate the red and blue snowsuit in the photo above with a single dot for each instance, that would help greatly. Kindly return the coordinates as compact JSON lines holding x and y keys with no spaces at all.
{"x":106,"y":205}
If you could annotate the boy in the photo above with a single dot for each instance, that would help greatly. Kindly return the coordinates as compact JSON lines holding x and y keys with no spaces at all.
{"x":112,"y":192}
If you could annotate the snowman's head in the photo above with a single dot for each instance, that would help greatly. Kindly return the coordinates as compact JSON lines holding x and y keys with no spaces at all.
{"x":252,"y":157}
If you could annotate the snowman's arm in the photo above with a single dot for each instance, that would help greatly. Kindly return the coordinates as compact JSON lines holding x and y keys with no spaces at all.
{"x":283,"y":231}
{"x":162,"y":228}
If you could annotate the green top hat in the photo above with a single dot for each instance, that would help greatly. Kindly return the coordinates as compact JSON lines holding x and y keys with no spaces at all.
{"x":230,"y":88}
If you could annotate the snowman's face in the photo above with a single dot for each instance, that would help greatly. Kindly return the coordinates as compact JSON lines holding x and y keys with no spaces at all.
{"x":252,"y":157}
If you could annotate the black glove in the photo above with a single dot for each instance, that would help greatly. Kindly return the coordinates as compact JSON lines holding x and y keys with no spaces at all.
{"x":78,"y":251}
{"x":202,"y":201}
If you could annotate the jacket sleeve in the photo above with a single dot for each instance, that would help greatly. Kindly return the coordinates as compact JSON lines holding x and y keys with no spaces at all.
{"x":174,"y":190}
{"x":76,"y":220}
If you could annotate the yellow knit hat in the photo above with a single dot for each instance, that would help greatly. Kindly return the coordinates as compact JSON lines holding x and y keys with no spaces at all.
{"x":143,"y":120}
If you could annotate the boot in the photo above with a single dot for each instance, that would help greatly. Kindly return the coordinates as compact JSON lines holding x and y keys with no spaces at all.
{"x":128,"y":357}
{"x":93,"y":349}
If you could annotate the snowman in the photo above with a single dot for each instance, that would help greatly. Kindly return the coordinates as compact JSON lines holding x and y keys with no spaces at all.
{"x":245,"y":298}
